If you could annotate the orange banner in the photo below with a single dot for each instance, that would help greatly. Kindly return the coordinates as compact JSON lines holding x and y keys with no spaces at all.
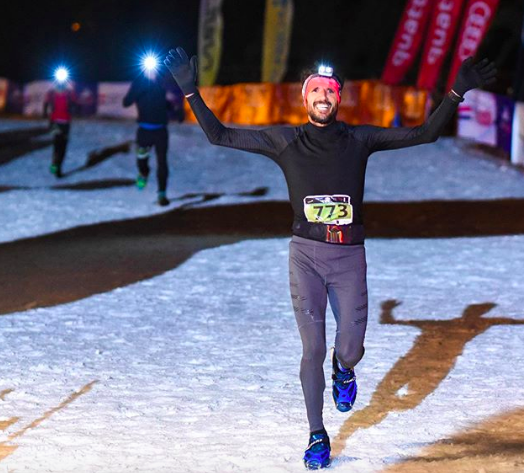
{"x":252,"y":104}
{"x":363,"y":102}
{"x":217,"y":98}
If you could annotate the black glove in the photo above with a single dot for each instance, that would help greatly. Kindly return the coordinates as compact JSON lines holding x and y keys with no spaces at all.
{"x":184,"y":71}
{"x":470,"y":76}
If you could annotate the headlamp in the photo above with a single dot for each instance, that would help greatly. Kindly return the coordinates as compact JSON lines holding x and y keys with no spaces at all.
{"x":61,"y":75}
{"x":325,"y":71}
{"x":150,"y":63}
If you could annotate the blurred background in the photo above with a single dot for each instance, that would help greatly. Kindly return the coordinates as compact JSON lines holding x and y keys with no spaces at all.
{"x":397,"y":57}
{"x":100,"y":39}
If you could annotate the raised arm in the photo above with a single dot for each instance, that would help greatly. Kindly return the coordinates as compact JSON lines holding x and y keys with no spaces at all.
{"x":470,"y":76}
{"x":269,"y":141}
{"x":132,"y":94}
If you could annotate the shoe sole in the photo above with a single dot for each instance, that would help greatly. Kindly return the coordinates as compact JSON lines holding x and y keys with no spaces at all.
{"x":316,"y":465}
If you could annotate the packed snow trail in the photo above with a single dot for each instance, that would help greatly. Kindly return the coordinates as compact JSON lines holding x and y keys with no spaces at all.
{"x":194,"y":367}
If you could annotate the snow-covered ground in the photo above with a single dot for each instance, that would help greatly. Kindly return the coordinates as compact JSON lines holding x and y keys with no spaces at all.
{"x":196,"y":370}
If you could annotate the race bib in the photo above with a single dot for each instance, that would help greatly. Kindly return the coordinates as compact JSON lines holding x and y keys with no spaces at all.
{"x":329,"y":209}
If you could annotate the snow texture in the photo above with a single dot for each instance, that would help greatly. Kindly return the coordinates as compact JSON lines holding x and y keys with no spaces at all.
{"x":196,"y":370}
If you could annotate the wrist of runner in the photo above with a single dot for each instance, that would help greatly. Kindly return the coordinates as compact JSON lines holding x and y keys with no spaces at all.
{"x":188,"y":89}
{"x":455,"y":96}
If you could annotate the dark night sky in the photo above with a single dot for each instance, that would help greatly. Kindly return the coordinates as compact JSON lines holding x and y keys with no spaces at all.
{"x":353,"y":34}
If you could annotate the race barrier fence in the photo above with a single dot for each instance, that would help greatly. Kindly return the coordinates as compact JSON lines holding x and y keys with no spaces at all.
{"x":262,"y":104}
{"x":484,"y":117}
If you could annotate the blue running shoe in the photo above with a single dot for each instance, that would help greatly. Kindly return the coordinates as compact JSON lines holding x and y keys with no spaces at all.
{"x":344,"y":386}
{"x":318,"y":451}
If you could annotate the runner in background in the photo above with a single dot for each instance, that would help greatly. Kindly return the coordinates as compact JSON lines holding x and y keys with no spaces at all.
{"x":58,"y":107}
{"x":148,"y":92}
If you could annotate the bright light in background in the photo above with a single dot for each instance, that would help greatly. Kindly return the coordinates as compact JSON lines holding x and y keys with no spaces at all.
{"x":150,"y":62}
{"x":61,"y":74}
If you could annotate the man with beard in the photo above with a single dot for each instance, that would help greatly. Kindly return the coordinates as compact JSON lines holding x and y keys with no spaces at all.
{"x":324,"y":163}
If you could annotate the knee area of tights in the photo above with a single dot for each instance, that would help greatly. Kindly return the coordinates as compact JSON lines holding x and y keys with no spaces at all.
{"x":349,"y":358}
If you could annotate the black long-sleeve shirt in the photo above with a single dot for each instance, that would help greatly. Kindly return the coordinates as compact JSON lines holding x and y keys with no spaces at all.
{"x":150,"y":98}
{"x":322,"y":161}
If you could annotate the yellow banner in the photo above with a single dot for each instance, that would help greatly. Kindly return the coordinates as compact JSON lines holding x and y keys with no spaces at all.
{"x":277,"y":37}
{"x":210,"y":27}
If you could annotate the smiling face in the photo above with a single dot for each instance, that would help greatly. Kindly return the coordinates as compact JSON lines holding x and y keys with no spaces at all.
{"x":321,"y":99}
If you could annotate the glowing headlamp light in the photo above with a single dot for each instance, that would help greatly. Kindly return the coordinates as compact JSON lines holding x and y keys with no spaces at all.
{"x":325,"y":71}
{"x":150,"y":63}
{"x":61,"y":75}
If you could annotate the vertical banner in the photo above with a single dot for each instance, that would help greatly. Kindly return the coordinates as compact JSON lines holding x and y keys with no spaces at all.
{"x":517,"y":139}
{"x":407,"y":40}
{"x":210,"y":27}
{"x":277,"y":37}
{"x":477,"y":17}
{"x":443,"y":25}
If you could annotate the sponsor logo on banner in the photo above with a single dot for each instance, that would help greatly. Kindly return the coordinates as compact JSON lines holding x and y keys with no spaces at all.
{"x":486,"y":118}
{"x":407,"y":40}
{"x":210,"y":27}
{"x":277,"y":36}
{"x":444,"y":22}
{"x":477,"y":18}
{"x":478,"y":117}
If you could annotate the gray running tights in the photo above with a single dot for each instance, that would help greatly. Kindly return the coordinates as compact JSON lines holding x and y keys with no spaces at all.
{"x":320,"y":271}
